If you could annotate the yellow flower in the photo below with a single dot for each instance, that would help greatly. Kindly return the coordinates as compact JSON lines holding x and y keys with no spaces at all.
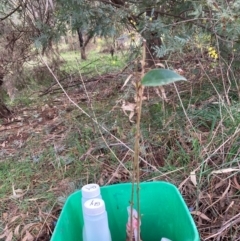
{"x":212,"y":53}
{"x":150,"y":19}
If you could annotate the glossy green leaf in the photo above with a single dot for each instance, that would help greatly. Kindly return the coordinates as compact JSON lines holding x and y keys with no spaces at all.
{"x":158,"y":77}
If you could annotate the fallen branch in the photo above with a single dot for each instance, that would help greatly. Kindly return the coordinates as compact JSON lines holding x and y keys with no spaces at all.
{"x":77,"y":83}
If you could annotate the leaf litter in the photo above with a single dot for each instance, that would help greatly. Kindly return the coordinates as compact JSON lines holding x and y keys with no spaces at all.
{"x":214,"y":202}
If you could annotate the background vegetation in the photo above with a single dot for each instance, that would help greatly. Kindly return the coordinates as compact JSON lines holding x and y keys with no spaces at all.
{"x":68,"y":107}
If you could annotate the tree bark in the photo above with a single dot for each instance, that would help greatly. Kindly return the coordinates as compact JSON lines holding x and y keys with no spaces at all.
{"x":83,"y":53}
{"x":4,"y":111}
{"x":80,"y":37}
{"x":83,"y":44}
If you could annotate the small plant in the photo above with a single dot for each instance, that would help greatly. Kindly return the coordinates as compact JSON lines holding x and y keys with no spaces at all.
{"x":154,"y":77}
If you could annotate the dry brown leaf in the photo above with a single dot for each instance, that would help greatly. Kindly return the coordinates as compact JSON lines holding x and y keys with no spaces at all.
{"x":219,"y":184}
{"x":2,"y":236}
{"x":126,"y":81}
{"x":26,"y":227}
{"x":179,"y":71}
{"x":17,"y":193}
{"x":143,"y":98}
{"x":229,"y":206}
{"x":131,"y":116}
{"x":226,"y":170}
{"x":236,"y":182}
{"x":160,"y":65}
{"x":183,"y":183}
{"x":13,"y":219}
{"x":45,"y":107}
{"x":129,"y":107}
{"x":5,"y":216}
{"x":201,"y":215}
{"x":9,"y":236}
{"x":16,"y":231}
{"x":28,"y":237}
{"x":223,"y":195}
{"x":193,"y":178}
{"x":134,"y":84}
{"x":117,"y":175}
{"x":231,"y":222}
{"x":163,"y":93}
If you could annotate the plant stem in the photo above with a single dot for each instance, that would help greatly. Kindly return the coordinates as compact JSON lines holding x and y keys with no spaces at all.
{"x":131,"y":204}
{"x":139,"y":90}
{"x":136,"y":155}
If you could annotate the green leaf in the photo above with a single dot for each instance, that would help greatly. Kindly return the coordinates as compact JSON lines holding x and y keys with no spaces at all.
{"x":158,"y":77}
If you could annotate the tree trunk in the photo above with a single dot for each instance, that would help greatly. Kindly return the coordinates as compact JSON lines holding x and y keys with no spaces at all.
{"x":83,"y":53}
{"x":83,"y":44}
{"x":4,"y":111}
{"x":152,"y":39}
{"x":80,"y":37}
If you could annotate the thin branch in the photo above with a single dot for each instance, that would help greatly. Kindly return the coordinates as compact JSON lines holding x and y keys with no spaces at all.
{"x":92,"y":119}
{"x":11,"y":13}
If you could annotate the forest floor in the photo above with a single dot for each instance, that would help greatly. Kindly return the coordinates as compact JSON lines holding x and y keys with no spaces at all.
{"x":56,"y":142}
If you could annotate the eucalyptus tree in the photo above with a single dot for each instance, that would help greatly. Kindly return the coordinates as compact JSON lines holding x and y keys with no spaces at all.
{"x":89,"y":18}
{"x":167,"y":25}
{"x":22,"y":22}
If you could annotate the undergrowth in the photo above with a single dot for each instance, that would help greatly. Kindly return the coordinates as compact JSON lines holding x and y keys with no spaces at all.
{"x":191,"y":138}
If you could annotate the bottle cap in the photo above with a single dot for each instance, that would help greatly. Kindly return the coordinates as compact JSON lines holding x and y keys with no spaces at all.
{"x":90,"y":191}
{"x":93,"y":207}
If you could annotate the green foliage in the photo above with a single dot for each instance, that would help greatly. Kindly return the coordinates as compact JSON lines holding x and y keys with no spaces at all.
{"x":97,"y":63}
{"x":175,"y":25}
{"x":92,"y":17}
{"x":170,"y":44}
{"x":14,"y":174}
{"x":158,"y":77}
{"x":169,"y":26}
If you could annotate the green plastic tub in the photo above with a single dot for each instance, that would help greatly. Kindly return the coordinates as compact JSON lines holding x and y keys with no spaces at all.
{"x":164,"y":214}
